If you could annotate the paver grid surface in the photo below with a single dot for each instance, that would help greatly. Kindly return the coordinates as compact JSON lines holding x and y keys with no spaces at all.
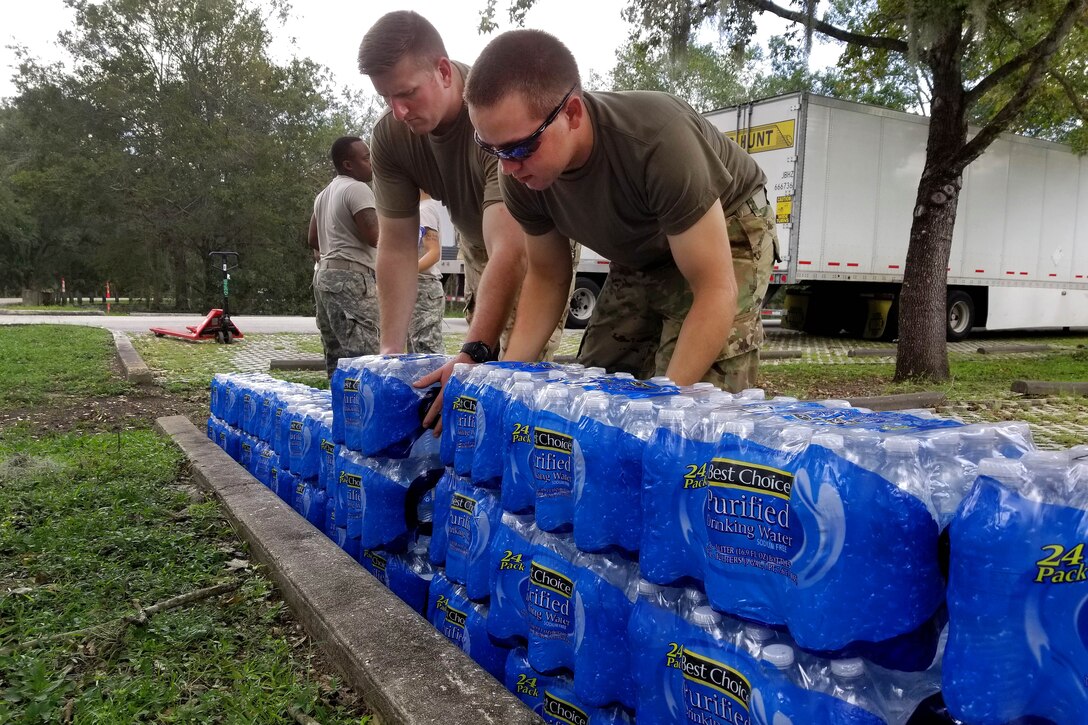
{"x":1055,"y":422}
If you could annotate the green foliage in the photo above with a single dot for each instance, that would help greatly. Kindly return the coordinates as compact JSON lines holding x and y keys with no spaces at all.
{"x":39,"y":362}
{"x":706,"y":76}
{"x":173,"y":134}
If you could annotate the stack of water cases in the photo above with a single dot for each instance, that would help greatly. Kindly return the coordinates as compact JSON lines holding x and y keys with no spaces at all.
{"x":614,"y":549}
{"x":354,"y":461}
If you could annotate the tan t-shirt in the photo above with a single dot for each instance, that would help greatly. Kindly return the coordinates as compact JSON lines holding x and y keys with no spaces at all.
{"x":335,"y":209}
{"x":655,"y":168}
{"x":450,"y":167}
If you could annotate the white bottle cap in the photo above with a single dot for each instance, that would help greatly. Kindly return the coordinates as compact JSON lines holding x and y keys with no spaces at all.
{"x":779,"y":655}
{"x":704,"y":616}
{"x":647,"y":588}
{"x":758,"y":632}
{"x":641,"y":406}
{"x":835,"y":403}
{"x":851,"y":667}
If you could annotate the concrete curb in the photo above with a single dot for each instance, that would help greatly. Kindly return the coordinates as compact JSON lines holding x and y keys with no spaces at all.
{"x":136,"y":370}
{"x":872,"y":352}
{"x":780,"y":354}
{"x":992,"y":349}
{"x":901,"y":401}
{"x":405,"y":670}
{"x":1042,"y":387}
{"x":313,"y":363}
{"x":59,"y":313}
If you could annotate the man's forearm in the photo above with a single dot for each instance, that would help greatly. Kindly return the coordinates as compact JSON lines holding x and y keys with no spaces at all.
{"x":396,"y":292}
{"x":543,"y":301}
{"x":702,"y":336}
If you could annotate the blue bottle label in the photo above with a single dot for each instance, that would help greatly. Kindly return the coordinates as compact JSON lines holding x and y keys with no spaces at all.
{"x":549,"y":603}
{"x":714,"y":693}
{"x":462,"y":510}
{"x":748,"y":517}
{"x":376,"y":565}
{"x":464,"y":422}
{"x":552,"y":462}
{"x":453,"y":625}
{"x":558,"y":711}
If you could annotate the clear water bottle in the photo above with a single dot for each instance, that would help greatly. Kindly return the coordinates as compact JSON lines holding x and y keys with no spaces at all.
{"x":903,"y":468}
{"x":710,"y":621}
{"x":863,"y":447}
{"x":782,"y":657}
{"x":850,"y":683}
{"x":1048,"y":472}
{"x":949,"y":475}
{"x":756,"y":637}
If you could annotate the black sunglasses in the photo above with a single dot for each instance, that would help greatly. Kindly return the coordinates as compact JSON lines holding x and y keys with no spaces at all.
{"x":526,"y":147}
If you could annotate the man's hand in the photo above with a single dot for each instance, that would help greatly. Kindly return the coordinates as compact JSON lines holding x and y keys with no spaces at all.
{"x":442,"y":375}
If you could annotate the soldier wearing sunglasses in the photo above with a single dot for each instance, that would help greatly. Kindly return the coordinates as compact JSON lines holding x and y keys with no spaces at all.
{"x":424,"y":142}
{"x":643,"y":179}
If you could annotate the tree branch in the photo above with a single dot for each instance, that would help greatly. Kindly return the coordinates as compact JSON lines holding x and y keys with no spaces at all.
{"x":1074,"y":97}
{"x":1068,"y":16}
{"x":868,"y":41}
{"x":1040,"y":55}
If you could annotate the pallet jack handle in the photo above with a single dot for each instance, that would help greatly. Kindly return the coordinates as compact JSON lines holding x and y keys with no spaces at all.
{"x":226,"y":257}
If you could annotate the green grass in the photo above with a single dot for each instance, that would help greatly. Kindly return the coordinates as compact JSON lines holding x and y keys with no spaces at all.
{"x":972,"y":379}
{"x":93,"y":524}
{"x":38,"y":362}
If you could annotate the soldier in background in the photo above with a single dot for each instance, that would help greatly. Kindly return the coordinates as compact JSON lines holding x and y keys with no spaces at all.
{"x":425,"y":328}
{"x":344,"y":231}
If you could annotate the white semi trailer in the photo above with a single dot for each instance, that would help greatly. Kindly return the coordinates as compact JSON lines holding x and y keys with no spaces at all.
{"x":844,"y":177}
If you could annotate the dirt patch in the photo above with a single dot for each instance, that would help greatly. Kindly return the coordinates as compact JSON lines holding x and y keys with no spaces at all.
{"x":66,"y":413}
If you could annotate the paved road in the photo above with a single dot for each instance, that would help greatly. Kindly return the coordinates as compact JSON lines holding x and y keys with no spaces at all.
{"x":141,"y":323}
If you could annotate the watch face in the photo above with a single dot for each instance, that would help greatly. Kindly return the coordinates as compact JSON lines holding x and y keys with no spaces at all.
{"x":478,"y":351}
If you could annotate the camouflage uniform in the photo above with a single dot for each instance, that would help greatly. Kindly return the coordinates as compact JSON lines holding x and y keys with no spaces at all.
{"x":425,"y":329}
{"x":637,"y":320}
{"x":474,"y":267}
{"x":347,"y":313}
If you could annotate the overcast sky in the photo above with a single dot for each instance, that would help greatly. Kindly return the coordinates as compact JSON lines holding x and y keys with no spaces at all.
{"x":329,"y":31}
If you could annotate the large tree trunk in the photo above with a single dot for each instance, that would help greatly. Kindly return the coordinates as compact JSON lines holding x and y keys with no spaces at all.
{"x":923,"y":352}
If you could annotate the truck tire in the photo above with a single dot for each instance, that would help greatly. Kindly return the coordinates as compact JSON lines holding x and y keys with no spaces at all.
{"x":582,"y":303}
{"x":959,"y":316}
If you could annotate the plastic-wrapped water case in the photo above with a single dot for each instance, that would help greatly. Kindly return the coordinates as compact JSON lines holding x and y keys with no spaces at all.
{"x":391,"y":407}
{"x":1018,"y":594}
{"x":472,"y":522}
{"x":551,"y":697}
{"x":464,"y":622}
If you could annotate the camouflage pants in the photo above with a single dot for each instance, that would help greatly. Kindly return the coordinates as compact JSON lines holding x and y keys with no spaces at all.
{"x":425,"y":329}
{"x":347,"y":314}
{"x":637,"y":320}
{"x":475,"y":260}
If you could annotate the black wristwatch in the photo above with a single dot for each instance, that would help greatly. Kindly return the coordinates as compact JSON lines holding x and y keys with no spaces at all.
{"x":480,"y":352}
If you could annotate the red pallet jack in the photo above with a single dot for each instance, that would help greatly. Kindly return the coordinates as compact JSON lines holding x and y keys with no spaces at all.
{"x":217,"y":325}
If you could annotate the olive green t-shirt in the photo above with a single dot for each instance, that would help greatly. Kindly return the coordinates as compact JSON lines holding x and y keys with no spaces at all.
{"x":448,"y":166}
{"x":655,"y":168}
